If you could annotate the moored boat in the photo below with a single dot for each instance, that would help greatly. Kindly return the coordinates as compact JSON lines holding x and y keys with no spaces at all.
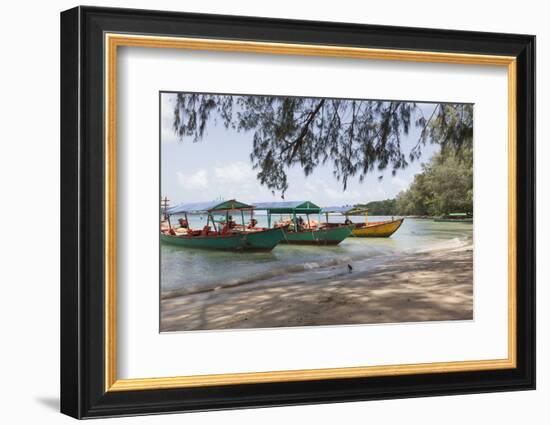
{"x":377,"y":229}
{"x":299,"y":231}
{"x":227,"y":238}
{"x":322,"y":236}
{"x":373,"y":229}
{"x":261,"y":240}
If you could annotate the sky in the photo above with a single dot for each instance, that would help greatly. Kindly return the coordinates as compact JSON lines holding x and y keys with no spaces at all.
{"x":218,"y":167}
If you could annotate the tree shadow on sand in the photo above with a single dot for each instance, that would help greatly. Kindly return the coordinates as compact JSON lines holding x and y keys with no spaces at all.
{"x":411,"y":290}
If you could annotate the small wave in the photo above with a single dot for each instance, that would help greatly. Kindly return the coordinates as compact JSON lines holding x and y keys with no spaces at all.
{"x":360,"y":262}
{"x":453,"y":244}
{"x":292,"y":269}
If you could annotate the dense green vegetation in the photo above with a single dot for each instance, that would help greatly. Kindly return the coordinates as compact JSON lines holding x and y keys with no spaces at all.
{"x":444,"y":186}
{"x":385,"y":207}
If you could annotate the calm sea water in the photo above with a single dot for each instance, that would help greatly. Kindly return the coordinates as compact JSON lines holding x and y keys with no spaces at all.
{"x":186,"y":270}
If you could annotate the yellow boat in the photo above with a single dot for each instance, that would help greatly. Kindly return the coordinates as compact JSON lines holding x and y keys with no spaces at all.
{"x":377,"y":229}
{"x":373,"y":229}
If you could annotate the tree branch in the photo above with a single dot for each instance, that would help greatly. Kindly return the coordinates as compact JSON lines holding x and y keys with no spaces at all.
{"x":296,"y":143}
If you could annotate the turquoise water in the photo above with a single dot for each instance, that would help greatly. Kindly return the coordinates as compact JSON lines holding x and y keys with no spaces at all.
{"x":186,"y":270}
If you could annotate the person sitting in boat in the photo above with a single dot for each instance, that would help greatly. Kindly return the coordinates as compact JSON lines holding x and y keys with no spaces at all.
{"x":230,"y":222}
{"x":252,"y":223}
{"x":300,"y":223}
{"x":183,"y":223}
{"x":348,"y":221}
{"x":164,"y":226}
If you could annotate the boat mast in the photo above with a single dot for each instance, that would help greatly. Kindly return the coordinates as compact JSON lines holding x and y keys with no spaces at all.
{"x":164,"y":203}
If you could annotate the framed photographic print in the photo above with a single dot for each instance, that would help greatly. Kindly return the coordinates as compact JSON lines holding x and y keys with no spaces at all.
{"x":261,"y":212}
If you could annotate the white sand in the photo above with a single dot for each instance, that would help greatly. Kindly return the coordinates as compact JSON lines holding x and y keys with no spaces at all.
{"x":425,"y":286}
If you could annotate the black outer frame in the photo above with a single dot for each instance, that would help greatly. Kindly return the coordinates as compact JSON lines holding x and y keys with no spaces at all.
{"x":82,"y":206}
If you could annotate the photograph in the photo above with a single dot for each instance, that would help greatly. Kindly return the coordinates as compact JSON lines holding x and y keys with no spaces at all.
{"x":265,"y":210}
{"x":285,"y":211}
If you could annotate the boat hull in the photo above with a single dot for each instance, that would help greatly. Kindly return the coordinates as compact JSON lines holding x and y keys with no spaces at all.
{"x":328,"y":236}
{"x":382,"y":229}
{"x":264,"y":240}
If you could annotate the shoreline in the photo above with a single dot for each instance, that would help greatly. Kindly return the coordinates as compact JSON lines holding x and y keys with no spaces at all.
{"x":434,"y":285}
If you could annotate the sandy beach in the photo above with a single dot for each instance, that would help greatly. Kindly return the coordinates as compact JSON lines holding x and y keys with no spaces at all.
{"x":424,"y":286}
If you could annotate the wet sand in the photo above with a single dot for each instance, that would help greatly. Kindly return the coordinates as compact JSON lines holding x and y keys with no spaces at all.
{"x":425,"y":286}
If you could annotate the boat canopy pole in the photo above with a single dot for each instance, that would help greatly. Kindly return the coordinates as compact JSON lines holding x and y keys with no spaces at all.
{"x":242,"y":218}
{"x":268,"y":220}
{"x":213,"y":223}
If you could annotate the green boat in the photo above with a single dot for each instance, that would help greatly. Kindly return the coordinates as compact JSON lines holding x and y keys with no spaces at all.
{"x":228,"y":238}
{"x":328,"y":236}
{"x":299,"y":232}
{"x":455,"y":218}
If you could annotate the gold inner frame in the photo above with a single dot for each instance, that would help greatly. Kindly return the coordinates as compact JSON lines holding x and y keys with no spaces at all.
{"x":113,"y":41}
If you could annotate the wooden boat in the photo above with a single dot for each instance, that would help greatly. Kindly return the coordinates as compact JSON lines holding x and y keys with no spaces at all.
{"x":455,"y":218}
{"x":373,"y":229}
{"x":377,"y":229}
{"x":300,"y":232}
{"x":322,"y":236}
{"x":227,"y":238}
{"x":263,"y":240}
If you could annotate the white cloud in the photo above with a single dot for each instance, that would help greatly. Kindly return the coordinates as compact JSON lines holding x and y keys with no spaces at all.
{"x":325,"y":192}
{"x":402,"y":184}
{"x":340,"y":195}
{"x":236,"y":172}
{"x":197,"y":180}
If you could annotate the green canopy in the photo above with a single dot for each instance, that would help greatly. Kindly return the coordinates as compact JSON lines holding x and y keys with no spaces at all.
{"x":232,"y":204}
{"x":288,"y":207}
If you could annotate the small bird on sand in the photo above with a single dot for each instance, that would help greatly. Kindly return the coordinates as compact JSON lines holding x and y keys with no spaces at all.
{"x":349,"y":268}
